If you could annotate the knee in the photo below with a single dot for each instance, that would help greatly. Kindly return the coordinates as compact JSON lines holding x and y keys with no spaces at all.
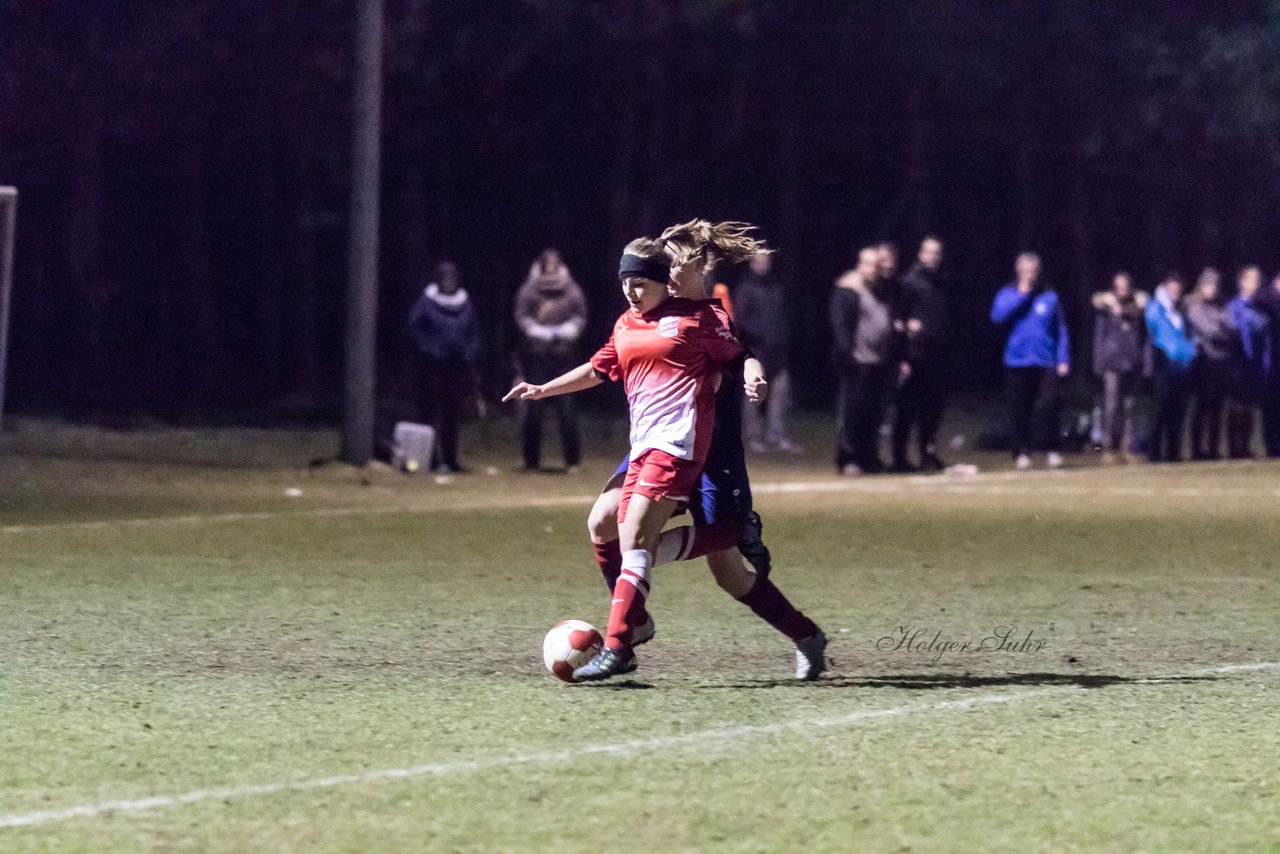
{"x":602,"y":522}
{"x":602,"y":527}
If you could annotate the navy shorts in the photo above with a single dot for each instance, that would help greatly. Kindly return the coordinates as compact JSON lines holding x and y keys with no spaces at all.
{"x":723,"y":493}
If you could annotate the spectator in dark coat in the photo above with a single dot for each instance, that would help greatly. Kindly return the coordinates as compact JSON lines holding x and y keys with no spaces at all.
{"x":1268,"y":300}
{"x":550,"y":312}
{"x":1119,"y":335}
{"x":1214,"y":337}
{"x":1037,"y":354}
{"x":1252,"y":363}
{"x":921,"y":398}
{"x":761,"y":314}
{"x":1171,"y":352}
{"x":865,"y":322}
{"x":447,"y":337}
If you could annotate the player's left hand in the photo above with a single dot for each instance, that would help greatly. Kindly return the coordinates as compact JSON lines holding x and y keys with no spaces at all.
{"x":1063,"y":369}
{"x":757,"y":388}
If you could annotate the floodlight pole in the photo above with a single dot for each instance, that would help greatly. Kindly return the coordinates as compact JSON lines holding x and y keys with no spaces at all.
{"x":8,"y":217}
{"x":362,"y":275}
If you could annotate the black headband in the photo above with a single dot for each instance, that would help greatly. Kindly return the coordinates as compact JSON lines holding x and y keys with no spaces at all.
{"x":657,"y":268}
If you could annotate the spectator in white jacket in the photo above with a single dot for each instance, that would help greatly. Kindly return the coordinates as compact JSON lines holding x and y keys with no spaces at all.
{"x":550,"y":314}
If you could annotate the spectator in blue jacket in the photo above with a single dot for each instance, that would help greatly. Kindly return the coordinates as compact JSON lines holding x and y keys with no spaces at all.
{"x":1171,"y":352}
{"x":447,"y":338}
{"x":1252,"y":362}
{"x":1037,"y":355}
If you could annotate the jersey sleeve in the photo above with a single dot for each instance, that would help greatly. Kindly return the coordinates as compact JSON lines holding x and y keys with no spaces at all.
{"x":725,"y":316}
{"x":605,"y":362}
{"x":715,"y":336}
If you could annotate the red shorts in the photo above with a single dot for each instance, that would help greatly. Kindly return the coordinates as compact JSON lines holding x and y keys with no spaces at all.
{"x":656,"y":475}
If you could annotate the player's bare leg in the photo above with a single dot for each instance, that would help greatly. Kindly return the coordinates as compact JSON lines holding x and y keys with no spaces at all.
{"x":638,"y":533}
{"x":766,"y":601}
{"x":602,"y":526}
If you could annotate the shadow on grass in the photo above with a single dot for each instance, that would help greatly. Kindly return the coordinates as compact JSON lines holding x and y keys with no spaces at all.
{"x":933,"y":681}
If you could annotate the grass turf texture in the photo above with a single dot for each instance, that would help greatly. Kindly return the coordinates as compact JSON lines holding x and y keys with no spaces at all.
{"x":380,"y":622}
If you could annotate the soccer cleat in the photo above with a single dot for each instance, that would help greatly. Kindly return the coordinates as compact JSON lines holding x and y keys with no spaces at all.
{"x":1054,"y":460}
{"x":810,"y":658}
{"x":1022,"y":463}
{"x":752,"y":546}
{"x":608,"y":662}
{"x":644,"y":632}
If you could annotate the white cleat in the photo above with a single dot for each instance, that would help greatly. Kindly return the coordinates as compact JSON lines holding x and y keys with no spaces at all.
{"x":810,"y":657}
{"x":1055,"y":460}
{"x":644,"y":632}
{"x":1022,"y":463}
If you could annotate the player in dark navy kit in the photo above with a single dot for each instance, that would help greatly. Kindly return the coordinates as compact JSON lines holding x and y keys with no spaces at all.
{"x":725,"y":527}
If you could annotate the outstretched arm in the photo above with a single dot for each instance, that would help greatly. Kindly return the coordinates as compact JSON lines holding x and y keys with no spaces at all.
{"x":582,"y":377}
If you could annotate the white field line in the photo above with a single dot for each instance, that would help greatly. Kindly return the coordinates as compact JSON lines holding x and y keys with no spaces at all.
{"x":715,"y":739}
{"x":984,"y":483}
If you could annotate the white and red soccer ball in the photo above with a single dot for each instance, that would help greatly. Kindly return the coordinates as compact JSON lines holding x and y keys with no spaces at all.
{"x":568,"y":646}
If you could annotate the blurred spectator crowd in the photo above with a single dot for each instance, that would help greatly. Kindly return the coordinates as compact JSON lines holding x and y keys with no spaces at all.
{"x":1204,"y":351}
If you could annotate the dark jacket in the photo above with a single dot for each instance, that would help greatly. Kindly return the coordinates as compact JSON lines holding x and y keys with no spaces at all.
{"x":1118,"y":339}
{"x":865,"y":323}
{"x":1253,"y":351}
{"x":760,"y":312}
{"x":1210,"y":328}
{"x":925,"y":299}
{"x":444,"y":328}
{"x":1268,"y":302}
{"x":550,"y":312}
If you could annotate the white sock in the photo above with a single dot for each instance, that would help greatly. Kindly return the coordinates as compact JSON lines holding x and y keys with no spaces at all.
{"x":673,"y":545}
{"x":635,"y":569}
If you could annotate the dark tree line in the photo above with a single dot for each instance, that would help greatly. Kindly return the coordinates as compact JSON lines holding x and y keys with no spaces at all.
{"x":183,"y":166}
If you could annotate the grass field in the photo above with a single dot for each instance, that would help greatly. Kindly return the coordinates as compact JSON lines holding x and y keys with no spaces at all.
{"x":194,"y":660}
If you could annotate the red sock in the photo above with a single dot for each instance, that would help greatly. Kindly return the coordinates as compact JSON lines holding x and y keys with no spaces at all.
{"x":768,"y":603}
{"x":609,"y":559}
{"x":629,"y":595}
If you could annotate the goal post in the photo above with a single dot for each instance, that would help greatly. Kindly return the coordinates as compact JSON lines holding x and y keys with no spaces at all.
{"x":8,"y":217}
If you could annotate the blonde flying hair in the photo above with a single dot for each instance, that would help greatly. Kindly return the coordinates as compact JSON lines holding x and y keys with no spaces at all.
{"x":643,"y":247}
{"x":731,"y":241}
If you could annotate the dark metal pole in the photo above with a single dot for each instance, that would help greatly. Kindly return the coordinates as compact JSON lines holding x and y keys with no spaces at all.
{"x":362,"y":282}
{"x":8,"y":219}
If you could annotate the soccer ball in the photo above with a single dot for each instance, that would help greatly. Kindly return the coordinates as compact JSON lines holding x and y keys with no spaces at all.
{"x":570,"y":645}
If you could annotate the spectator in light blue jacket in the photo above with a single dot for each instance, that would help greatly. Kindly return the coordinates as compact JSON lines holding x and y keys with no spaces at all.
{"x":1251,"y":364}
{"x":1037,"y":354}
{"x":1171,"y":352}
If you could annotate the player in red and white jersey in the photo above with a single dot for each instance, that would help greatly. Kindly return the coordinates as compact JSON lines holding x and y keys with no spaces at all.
{"x":726,"y":528}
{"x":669,"y":353}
